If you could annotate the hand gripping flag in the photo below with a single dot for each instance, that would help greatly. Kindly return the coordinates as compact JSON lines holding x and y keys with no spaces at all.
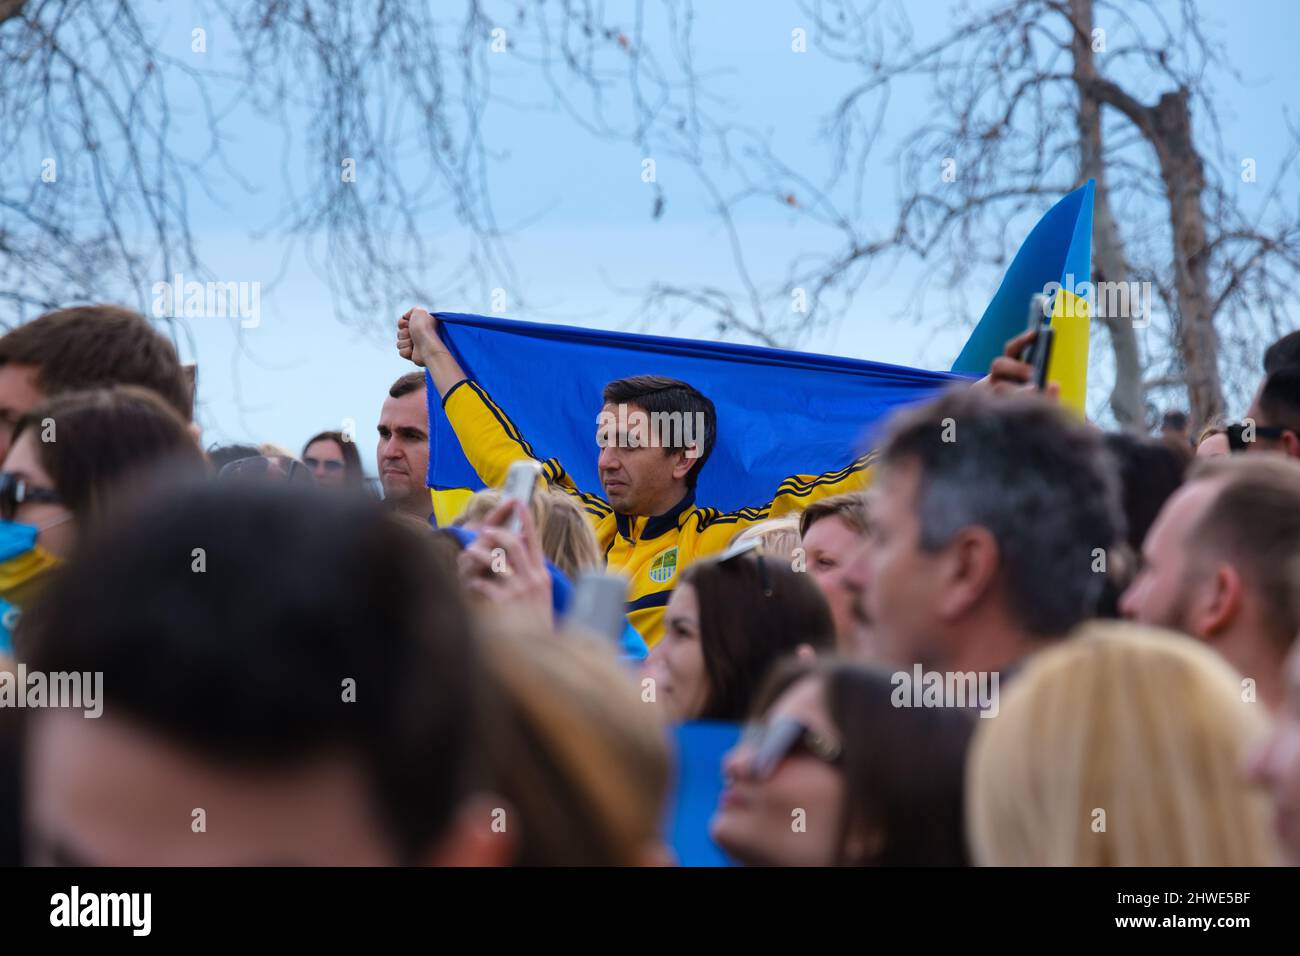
{"x":1056,"y":257}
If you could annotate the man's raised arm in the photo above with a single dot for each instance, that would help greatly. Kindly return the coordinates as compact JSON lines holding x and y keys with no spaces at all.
{"x":490,"y":440}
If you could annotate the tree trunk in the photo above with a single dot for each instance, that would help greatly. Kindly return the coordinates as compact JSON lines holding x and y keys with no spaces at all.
{"x":1167,"y":126}
{"x":1184,"y":177}
{"x":1128,"y":397}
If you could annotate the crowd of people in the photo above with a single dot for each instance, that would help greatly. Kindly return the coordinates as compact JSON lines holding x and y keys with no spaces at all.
{"x":1001,"y":636}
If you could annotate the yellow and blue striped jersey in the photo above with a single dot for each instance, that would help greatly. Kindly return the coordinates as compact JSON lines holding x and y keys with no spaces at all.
{"x":649,"y":550}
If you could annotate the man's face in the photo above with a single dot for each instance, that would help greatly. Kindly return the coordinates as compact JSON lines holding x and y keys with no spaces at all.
{"x":830,"y":548}
{"x":1275,"y":763}
{"x":639,"y":479}
{"x":110,"y":792}
{"x":900,"y":576}
{"x":19,"y":394}
{"x":1159,"y":595}
{"x":403,"y":453}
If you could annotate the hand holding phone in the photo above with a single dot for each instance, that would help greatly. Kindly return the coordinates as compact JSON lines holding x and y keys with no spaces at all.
{"x":1038,"y":353}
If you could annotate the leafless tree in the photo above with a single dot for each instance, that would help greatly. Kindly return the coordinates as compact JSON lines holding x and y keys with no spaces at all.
{"x":402,"y":89}
{"x":1136,"y":78}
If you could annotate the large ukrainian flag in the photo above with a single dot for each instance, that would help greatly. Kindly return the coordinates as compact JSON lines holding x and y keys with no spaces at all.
{"x":779,"y":412}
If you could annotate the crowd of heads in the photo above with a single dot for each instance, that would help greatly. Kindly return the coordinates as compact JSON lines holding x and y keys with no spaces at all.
{"x":1028,"y":642}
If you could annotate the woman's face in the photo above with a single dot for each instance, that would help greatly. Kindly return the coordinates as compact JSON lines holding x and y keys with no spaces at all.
{"x":58,"y":530}
{"x":676,"y":663}
{"x":832,"y":549}
{"x":793,"y":818}
{"x":325,"y":459}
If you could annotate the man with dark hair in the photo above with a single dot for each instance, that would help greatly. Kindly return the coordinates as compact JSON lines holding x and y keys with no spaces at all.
{"x":1218,"y":565}
{"x":403,"y":452}
{"x":288,"y":678}
{"x":85,"y":347}
{"x":990,"y":521}
{"x":1285,"y":351}
{"x":1275,"y":413}
{"x":654,"y":435}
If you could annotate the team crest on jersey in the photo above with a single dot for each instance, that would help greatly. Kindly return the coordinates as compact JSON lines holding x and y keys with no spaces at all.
{"x":664,"y":566}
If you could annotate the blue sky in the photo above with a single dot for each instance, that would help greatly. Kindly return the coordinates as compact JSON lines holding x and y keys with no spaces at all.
{"x":590,"y":236}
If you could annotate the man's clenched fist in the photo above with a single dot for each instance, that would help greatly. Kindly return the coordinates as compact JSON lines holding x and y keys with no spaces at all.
{"x":417,"y":336}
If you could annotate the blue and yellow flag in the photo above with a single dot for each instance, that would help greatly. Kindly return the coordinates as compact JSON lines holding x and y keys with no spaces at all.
{"x":779,"y":412}
{"x":1057,"y":255}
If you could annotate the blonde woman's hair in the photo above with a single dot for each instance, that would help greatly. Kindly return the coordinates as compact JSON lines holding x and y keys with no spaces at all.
{"x":1121,"y":746}
{"x":568,"y":540}
{"x":777,"y":537}
{"x":567,"y":537}
{"x":579,"y":758}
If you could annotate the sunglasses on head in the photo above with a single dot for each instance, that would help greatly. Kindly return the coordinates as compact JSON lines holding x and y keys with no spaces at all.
{"x":1237,"y":440}
{"x":14,"y":491}
{"x":267,"y":468}
{"x":773,"y":742}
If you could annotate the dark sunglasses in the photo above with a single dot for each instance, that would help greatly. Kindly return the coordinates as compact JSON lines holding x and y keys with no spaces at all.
{"x":330,"y":464}
{"x":1236,"y":434}
{"x":14,"y":491}
{"x":267,"y":468}
{"x":772,"y":743}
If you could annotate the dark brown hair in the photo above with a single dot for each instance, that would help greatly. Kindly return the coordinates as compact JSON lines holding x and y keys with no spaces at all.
{"x":352,"y":470}
{"x":406,"y":384}
{"x":753,"y":612}
{"x":104,"y":436}
{"x":657,"y":394}
{"x":92,"y":346}
{"x":903,"y":767}
{"x":233,"y":670}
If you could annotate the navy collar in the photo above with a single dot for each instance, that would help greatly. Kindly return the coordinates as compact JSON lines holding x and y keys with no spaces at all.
{"x":656,"y":525}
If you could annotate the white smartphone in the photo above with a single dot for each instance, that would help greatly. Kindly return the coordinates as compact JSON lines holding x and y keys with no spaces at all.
{"x":520,"y":485}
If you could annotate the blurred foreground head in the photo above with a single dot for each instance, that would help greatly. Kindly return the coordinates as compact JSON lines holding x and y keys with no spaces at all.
{"x":991,"y":516}
{"x":288,"y":678}
{"x":1123,"y":746}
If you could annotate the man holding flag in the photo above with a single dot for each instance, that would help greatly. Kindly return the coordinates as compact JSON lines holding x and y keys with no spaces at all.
{"x":648,"y":522}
